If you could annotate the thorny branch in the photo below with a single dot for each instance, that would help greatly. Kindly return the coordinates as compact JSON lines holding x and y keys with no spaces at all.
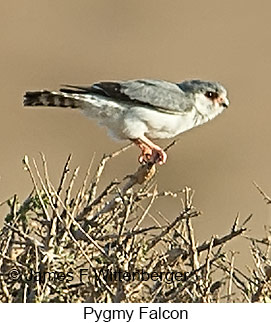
{"x":115,"y":235}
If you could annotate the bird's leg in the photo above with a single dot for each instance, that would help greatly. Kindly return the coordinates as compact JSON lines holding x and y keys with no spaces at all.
{"x":150,"y":152}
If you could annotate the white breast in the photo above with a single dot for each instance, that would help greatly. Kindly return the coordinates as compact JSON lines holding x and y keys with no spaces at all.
{"x":154,"y":124}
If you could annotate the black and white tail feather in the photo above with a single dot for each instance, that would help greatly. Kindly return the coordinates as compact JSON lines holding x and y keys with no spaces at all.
{"x":50,"y":99}
{"x":94,"y":102}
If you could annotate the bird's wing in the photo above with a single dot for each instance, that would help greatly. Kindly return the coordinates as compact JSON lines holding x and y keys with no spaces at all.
{"x":164,"y":96}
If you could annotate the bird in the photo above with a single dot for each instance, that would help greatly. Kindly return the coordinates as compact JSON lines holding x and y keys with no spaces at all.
{"x":141,"y":110}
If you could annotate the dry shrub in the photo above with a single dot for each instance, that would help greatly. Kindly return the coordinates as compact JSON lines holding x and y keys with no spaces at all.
{"x":61,"y":246}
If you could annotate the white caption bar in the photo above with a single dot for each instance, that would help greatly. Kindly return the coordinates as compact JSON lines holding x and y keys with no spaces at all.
{"x":130,"y":313}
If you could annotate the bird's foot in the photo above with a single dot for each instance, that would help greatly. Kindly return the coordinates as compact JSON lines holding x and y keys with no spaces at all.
{"x":158,"y":156}
{"x":150,"y":153}
{"x":146,"y":152}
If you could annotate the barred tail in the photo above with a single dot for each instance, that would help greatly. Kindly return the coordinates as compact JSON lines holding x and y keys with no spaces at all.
{"x":50,"y":99}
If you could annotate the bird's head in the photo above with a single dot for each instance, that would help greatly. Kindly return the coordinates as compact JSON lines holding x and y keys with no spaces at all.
{"x":210,"y":98}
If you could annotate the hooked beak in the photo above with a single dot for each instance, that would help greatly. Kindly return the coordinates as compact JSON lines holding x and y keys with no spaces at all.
{"x":224,"y":101}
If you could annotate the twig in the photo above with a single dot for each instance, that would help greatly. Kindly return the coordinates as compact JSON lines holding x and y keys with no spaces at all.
{"x":266,"y":198}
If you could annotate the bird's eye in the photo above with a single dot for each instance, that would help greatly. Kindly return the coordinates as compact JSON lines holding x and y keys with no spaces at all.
{"x":211,"y":95}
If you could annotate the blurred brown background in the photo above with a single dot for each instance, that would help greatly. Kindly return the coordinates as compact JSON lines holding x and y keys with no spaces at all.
{"x":48,"y":43}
